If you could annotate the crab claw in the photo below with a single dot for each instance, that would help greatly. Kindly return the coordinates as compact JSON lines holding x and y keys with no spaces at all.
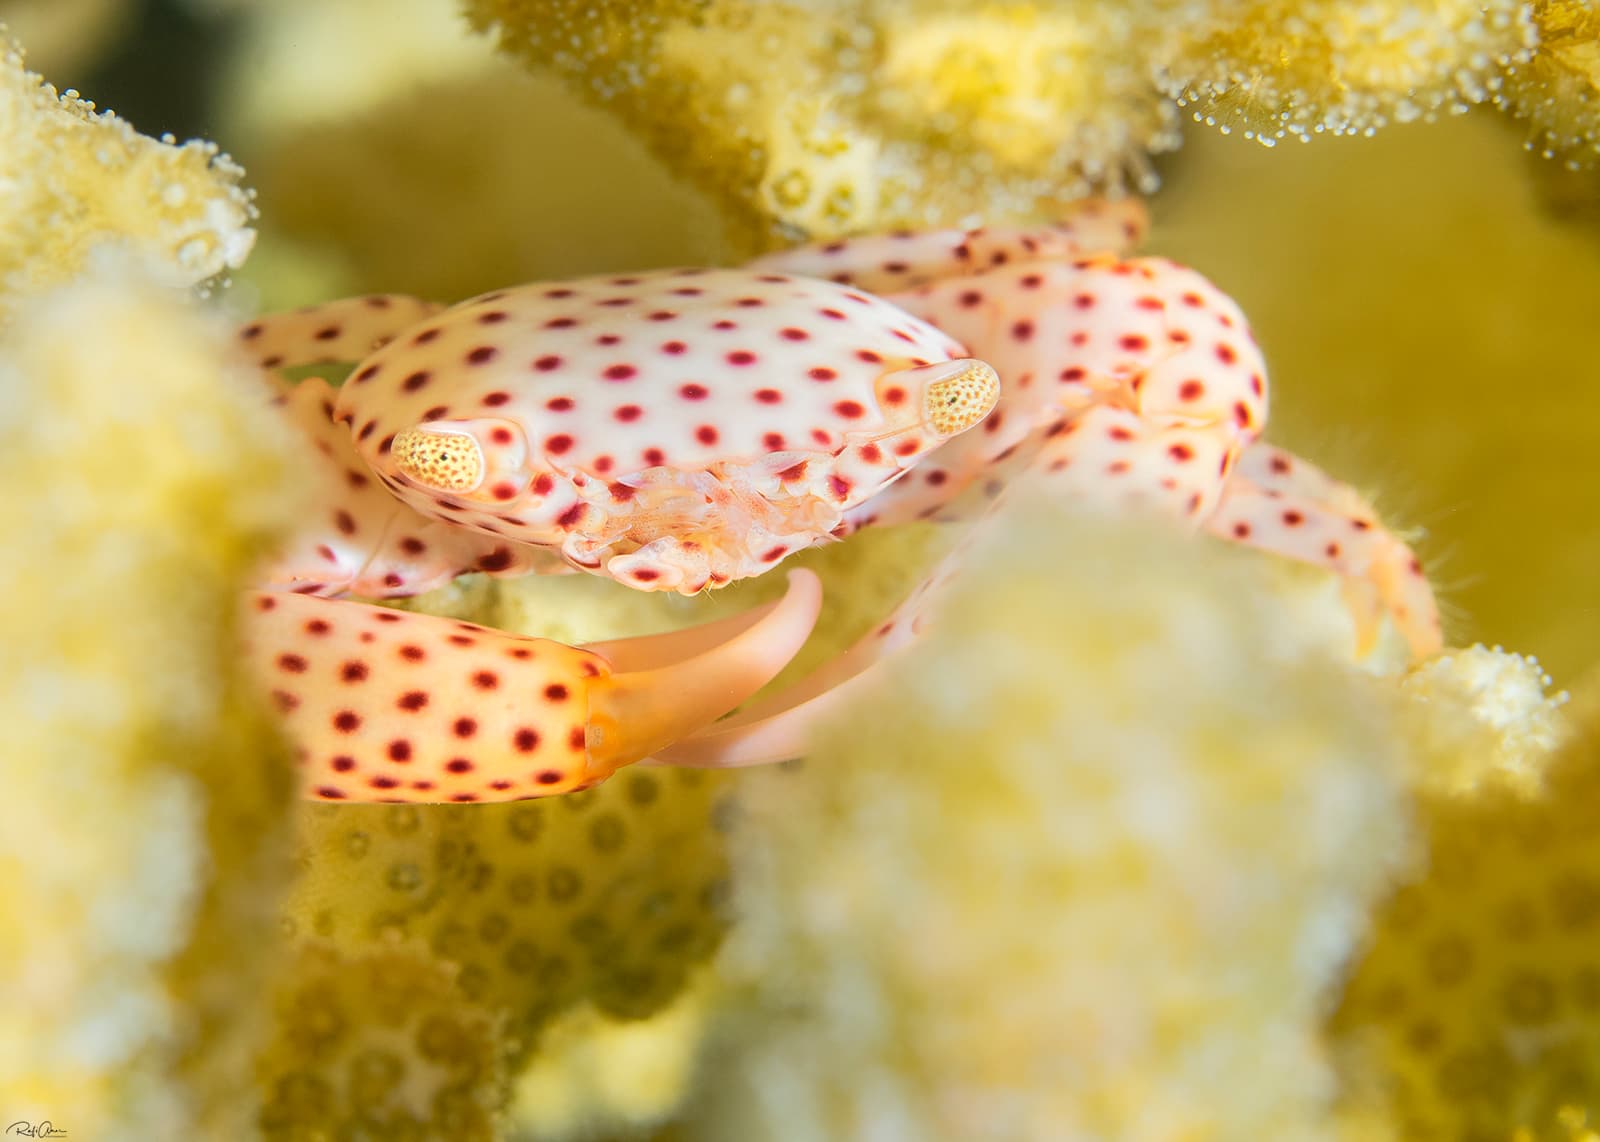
{"x":386,"y":705}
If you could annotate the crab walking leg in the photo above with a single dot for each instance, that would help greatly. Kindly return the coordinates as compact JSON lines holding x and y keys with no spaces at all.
{"x":344,"y":330}
{"x":908,"y":259}
{"x":365,"y":541}
{"x":1332,"y":528}
{"x":1110,"y":457}
{"x":384,"y":705}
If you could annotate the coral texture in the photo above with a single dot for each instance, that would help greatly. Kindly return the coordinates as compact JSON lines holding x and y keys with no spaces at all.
{"x":141,"y":835}
{"x":74,"y":180}
{"x":1111,"y":848}
{"x":1476,"y":1012}
{"x":851,"y":115}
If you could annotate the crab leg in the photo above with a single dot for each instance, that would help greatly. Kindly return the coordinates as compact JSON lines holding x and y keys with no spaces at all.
{"x":906,"y":260}
{"x":386,"y":705}
{"x":343,"y":330}
{"x":1279,"y":503}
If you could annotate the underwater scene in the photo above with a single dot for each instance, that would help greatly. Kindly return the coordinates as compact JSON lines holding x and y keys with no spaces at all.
{"x":800,"y":570}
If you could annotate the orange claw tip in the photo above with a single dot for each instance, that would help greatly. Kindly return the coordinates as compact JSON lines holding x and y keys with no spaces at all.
{"x":633,"y":714}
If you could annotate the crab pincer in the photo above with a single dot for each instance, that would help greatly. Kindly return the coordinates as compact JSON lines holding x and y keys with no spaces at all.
{"x":386,"y":705}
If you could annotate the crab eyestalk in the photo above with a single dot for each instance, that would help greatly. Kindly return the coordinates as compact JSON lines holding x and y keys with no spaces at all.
{"x":385,"y":705}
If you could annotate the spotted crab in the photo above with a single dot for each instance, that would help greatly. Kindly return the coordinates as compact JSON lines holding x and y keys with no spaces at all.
{"x":683,"y":429}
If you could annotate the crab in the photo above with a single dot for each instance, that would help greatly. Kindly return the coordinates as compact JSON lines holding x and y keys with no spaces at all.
{"x":684,"y":429}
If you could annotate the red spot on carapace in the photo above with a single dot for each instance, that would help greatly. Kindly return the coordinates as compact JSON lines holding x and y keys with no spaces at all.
{"x":1191,"y":390}
{"x":292,"y":663}
{"x":400,"y":750}
{"x":558,"y":443}
{"x":620,"y":372}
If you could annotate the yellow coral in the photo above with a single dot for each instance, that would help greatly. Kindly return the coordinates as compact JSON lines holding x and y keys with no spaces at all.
{"x":593,"y":1072}
{"x":1476,"y":1013}
{"x":825,"y":119}
{"x":378,"y":1045}
{"x":1559,"y":89}
{"x":141,"y":477}
{"x":73,"y":181}
{"x":1482,"y":719}
{"x":1279,"y":68}
{"x":1105,"y":853}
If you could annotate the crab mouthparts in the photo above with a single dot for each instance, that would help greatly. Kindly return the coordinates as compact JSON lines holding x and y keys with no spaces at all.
{"x":444,"y":461}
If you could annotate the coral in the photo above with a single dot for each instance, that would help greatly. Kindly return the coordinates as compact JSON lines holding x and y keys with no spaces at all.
{"x":74,"y":181}
{"x":1104,"y":843}
{"x":141,"y":835}
{"x":854,"y":115}
{"x":1559,"y":89}
{"x":1476,"y":1011}
{"x":1279,"y":68}
{"x":1482,"y":718}
{"x":831,"y":118}
{"x":594,"y":1073}
{"x":378,"y":1045}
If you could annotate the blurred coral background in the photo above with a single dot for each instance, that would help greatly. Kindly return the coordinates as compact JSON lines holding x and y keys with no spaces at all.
{"x":1137,"y":852}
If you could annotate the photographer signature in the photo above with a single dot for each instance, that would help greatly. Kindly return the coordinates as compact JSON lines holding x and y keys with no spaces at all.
{"x":45,"y":1129}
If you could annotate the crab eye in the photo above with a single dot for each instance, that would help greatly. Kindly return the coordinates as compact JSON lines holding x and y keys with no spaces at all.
{"x":954,"y":404}
{"x":444,"y":461}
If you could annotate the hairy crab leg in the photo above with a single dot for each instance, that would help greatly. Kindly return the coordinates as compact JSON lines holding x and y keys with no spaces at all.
{"x":343,"y":330}
{"x":1280,"y":503}
{"x":386,"y":705}
{"x":907,"y":260}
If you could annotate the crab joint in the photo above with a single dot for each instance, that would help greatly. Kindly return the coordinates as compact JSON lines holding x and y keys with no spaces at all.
{"x":956,"y":402}
{"x":445,"y":461}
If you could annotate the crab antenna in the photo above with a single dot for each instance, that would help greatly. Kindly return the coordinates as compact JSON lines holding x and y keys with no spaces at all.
{"x":634,"y":714}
